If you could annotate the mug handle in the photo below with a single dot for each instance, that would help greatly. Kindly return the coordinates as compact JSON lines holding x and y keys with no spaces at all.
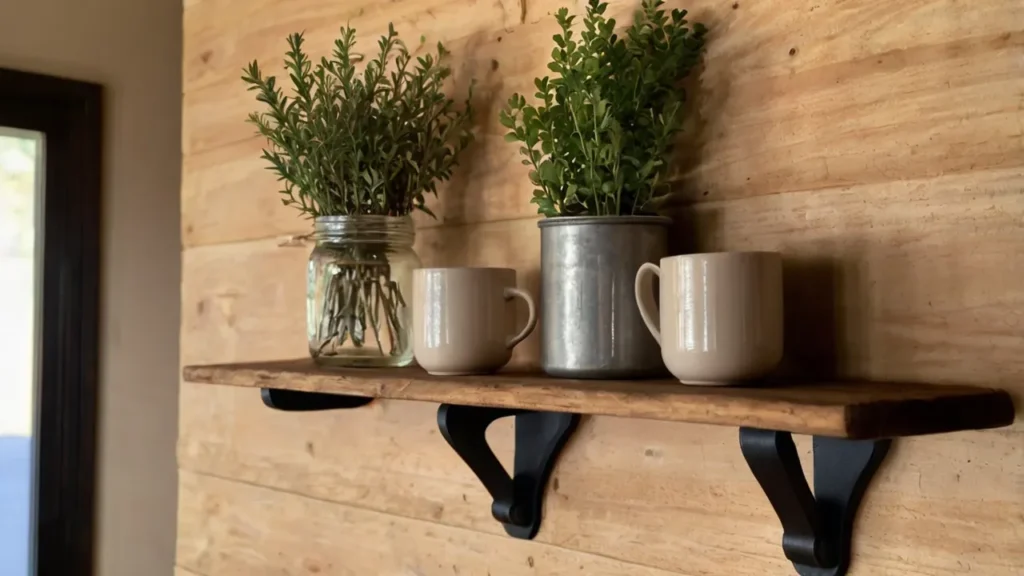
{"x":531,"y":322}
{"x":643,"y":289}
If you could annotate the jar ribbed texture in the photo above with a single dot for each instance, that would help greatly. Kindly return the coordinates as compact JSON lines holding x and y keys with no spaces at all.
{"x":397,"y":230}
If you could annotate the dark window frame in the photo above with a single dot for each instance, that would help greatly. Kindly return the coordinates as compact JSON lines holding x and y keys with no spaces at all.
{"x":69,"y":113}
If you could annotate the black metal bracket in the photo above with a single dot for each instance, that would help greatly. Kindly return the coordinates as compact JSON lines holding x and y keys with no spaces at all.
{"x":298,"y":401}
{"x":817,"y":528}
{"x":540,"y":436}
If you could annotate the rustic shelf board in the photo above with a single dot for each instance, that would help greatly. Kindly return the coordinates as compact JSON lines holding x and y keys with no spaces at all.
{"x":855,"y":410}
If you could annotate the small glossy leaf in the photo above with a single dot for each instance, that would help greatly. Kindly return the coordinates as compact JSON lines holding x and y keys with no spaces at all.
{"x":549,"y":173}
{"x":506,"y":120}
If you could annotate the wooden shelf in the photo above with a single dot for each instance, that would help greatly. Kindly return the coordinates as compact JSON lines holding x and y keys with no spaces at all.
{"x":852,"y":423}
{"x":854,"y":410}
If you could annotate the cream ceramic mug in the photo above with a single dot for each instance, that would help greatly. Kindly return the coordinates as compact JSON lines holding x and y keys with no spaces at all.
{"x":721,"y":314}
{"x":463,"y":319}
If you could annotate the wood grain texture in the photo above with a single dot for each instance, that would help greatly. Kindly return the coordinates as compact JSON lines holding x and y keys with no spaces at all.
{"x":246,"y":301}
{"x":669,"y":495}
{"x":911,"y":281}
{"x":754,"y":38}
{"x":233,"y":529}
{"x":858,"y":410}
{"x":879,"y":146}
{"x":914,"y":280}
{"x":807,"y":95}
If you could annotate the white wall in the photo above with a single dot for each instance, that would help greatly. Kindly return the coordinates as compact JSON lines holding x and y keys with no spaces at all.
{"x":133,"y":49}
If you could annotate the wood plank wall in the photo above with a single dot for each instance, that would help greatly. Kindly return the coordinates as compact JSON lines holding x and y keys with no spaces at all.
{"x":879,"y":145}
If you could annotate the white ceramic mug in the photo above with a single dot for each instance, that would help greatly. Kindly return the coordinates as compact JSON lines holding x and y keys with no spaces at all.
{"x":464,"y":319}
{"x":721,"y":314}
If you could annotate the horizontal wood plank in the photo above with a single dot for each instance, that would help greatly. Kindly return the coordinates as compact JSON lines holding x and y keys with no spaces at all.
{"x":246,"y":301}
{"x":233,"y":529}
{"x":609,"y":493}
{"x":877,"y":145}
{"x":912,"y":281}
{"x":669,"y":495}
{"x":754,"y":38}
{"x":853,"y":104}
{"x":847,"y":410}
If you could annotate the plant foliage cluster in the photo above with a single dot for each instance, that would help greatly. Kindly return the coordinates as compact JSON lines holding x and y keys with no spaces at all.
{"x":350,"y":144}
{"x":598,"y":139}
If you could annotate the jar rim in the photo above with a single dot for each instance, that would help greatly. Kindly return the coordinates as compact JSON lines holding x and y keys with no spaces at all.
{"x":361,"y":217}
{"x":364,"y":228}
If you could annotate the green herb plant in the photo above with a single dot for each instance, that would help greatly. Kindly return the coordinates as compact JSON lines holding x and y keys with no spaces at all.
{"x":351,"y":143}
{"x":598,"y":139}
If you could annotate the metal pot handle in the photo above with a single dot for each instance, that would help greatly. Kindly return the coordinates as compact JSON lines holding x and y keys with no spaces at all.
{"x":643,"y":289}
{"x":531,"y":322}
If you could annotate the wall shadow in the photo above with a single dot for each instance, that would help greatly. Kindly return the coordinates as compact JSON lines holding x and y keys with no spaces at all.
{"x":827,"y":298}
{"x":455,"y":198}
{"x":812,"y":317}
{"x":527,"y":353}
{"x":486,"y":78}
{"x":707,"y":89}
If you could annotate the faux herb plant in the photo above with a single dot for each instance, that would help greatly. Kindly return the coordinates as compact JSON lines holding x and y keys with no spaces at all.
{"x":345,"y":145}
{"x":598,"y":139}
{"x":351,"y":144}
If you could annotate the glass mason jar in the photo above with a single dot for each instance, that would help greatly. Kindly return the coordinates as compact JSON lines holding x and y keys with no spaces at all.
{"x":358,"y":290}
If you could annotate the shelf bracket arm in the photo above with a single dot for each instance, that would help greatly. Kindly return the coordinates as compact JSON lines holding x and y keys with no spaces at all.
{"x":817,"y":528}
{"x":298,"y":401}
{"x":540,"y":437}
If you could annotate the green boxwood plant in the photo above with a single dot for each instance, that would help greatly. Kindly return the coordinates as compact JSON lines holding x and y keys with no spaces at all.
{"x":349,"y":144}
{"x":598,"y":137}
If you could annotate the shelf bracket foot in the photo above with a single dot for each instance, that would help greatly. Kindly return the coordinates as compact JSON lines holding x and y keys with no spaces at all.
{"x":817,"y":528}
{"x":540,"y":436}
{"x":297,"y":401}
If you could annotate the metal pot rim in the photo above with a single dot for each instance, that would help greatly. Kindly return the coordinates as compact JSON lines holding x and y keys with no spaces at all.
{"x":603,"y":220}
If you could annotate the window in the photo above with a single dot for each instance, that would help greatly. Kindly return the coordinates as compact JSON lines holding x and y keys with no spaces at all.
{"x":20,"y":179}
{"x":49,"y":307}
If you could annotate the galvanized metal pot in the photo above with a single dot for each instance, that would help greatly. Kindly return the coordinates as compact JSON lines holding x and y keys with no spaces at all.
{"x":590,"y":324}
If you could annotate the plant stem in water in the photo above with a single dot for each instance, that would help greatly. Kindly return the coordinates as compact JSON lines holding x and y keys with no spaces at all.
{"x":355,"y":299}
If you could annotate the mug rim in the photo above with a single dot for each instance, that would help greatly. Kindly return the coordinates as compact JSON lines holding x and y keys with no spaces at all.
{"x":726,"y":253}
